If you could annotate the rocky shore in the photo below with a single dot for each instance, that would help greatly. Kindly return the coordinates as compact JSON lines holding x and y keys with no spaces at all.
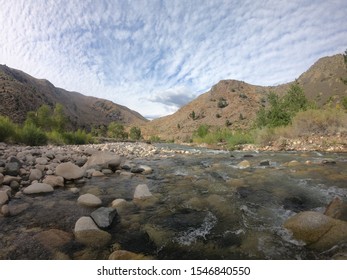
{"x":30,"y":171}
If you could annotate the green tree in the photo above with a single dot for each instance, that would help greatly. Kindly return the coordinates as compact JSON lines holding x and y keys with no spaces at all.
{"x":202,"y":130}
{"x":117,"y":131}
{"x":135,"y":133}
{"x":59,"y":120}
{"x":7,"y":128}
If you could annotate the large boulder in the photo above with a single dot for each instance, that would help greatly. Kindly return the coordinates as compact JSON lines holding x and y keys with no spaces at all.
{"x":38,"y":188}
{"x":337,"y":209}
{"x":87,"y":233}
{"x":317,"y":230}
{"x":69,"y":171}
{"x":103,"y":159}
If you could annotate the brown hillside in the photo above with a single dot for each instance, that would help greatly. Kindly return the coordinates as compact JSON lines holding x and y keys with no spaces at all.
{"x":20,"y":93}
{"x":234,"y":104}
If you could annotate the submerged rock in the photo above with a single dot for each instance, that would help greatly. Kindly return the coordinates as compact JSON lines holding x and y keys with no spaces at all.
{"x":142,"y":192}
{"x":104,"y":160}
{"x":337,"y":209}
{"x":87,"y":233}
{"x":317,"y":230}
{"x":244,"y":164}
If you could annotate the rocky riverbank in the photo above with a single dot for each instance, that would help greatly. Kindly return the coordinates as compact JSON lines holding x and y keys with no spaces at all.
{"x":45,"y":185}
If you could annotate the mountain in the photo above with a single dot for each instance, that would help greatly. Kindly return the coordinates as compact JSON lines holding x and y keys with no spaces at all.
{"x":21,"y":93}
{"x":234,"y":104}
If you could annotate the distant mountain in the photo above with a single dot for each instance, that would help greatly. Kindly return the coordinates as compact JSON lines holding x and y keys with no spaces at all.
{"x":234,"y":104}
{"x":21,"y":93}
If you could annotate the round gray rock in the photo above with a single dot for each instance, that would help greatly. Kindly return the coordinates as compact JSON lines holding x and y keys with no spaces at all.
{"x":35,"y":174}
{"x":54,"y":181}
{"x":142,"y":192}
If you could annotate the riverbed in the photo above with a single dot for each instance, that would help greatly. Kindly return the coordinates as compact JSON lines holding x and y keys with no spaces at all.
{"x":205,"y":204}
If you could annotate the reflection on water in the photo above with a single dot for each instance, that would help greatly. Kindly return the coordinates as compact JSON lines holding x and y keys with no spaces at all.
{"x":204,"y":207}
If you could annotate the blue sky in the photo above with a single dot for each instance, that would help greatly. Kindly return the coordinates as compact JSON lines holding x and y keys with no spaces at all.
{"x":155,"y":56}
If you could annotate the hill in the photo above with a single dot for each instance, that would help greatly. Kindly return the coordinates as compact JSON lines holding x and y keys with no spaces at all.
{"x":21,"y":93}
{"x":235,"y":103}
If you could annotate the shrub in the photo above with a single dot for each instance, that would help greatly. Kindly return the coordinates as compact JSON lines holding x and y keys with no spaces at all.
{"x":222,"y":103}
{"x":32,"y":135}
{"x":135,"y":133}
{"x":117,"y":131}
{"x":7,"y":129}
{"x":239,"y":138}
{"x":321,"y":122}
{"x":79,"y":137}
{"x":154,"y":138}
{"x":202,"y":130}
{"x":344,"y":102}
{"x":55,"y":137}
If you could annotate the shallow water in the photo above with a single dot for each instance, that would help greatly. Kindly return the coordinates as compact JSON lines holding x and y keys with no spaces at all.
{"x":203,"y":207}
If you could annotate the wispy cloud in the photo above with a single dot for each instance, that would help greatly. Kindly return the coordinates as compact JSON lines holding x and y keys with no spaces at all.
{"x":154,"y":56}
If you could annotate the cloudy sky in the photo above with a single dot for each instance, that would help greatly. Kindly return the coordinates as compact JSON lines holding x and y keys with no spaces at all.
{"x":154,"y":56}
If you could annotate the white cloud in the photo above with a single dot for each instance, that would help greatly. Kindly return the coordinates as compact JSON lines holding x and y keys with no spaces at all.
{"x":152,"y":56}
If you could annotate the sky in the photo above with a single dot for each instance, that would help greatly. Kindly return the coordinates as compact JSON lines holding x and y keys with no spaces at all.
{"x":155,"y":56}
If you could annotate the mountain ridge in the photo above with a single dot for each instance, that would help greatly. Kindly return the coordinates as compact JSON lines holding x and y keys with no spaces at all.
{"x":234,"y":104}
{"x":21,"y":93}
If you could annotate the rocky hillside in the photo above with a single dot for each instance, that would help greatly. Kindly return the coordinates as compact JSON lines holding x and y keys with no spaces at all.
{"x":20,"y":93}
{"x":234,"y":104}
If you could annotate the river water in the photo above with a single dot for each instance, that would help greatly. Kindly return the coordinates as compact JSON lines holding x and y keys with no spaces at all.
{"x":204,"y":206}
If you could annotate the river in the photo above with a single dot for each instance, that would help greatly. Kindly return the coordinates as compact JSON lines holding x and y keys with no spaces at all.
{"x":204,"y":206}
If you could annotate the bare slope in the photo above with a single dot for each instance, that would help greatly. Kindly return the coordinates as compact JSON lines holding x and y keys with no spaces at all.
{"x":234,"y":104}
{"x":20,"y":93}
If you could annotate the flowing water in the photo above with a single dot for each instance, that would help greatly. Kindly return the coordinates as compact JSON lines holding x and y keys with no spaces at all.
{"x":204,"y":206}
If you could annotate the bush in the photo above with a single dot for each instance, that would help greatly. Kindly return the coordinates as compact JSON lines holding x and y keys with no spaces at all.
{"x":117,"y":131}
{"x":32,"y":135}
{"x":135,"y":133}
{"x":202,"y":130}
{"x":55,"y":137}
{"x":239,"y":138}
{"x":222,"y":103}
{"x":154,"y":139}
{"x":320,"y":122}
{"x":79,"y":137}
{"x":7,"y":129}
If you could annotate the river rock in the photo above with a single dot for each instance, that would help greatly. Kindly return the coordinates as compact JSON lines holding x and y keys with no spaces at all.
{"x":97,"y":173}
{"x":13,"y":166}
{"x":317,"y":230}
{"x":38,"y":188}
{"x":87,"y":233}
{"x":53,"y":238}
{"x":142,"y":192}
{"x":35,"y":174}
{"x":3,"y":198}
{"x":8,"y":179}
{"x":1,"y":178}
{"x":117,"y":202}
{"x":104,"y":216}
{"x":89,"y":200}
{"x":126,"y":255}
{"x":244,"y":164}
{"x":146,"y":169}
{"x":69,"y":171}
{"x":337,"y":209}
{"x":5,"y":210}
{"x":54,"y":181}
{"x":103,"y":159}
{"x":41,"y":161}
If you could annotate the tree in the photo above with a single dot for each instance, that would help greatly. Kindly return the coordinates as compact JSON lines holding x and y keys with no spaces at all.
{"x":116,"y":130}
{"x":59,"y":119}
{"x":135,"y":133}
